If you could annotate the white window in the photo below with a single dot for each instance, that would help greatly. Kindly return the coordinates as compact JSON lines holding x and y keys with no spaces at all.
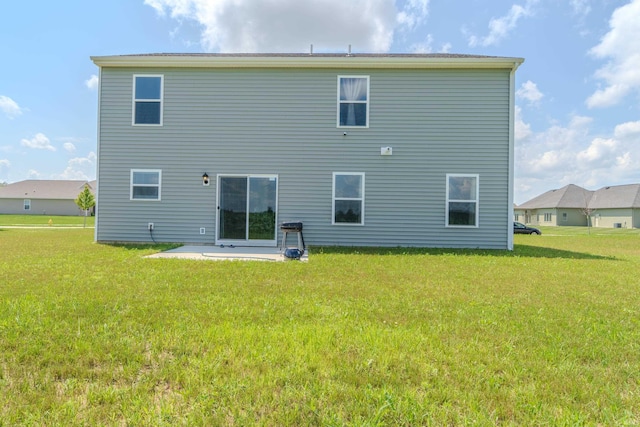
{"x":547,"y":217}
{"x":27,"y":204}
{"x":148,"y":99}
{"x":145,"y":184}
{"x":462,"y":200}
{"x":348,"y":198}
{"x":564,"y":217}
{"x":353,"y":101}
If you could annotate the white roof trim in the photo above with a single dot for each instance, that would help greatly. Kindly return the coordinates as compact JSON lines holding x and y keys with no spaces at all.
{"x":307,"y":61}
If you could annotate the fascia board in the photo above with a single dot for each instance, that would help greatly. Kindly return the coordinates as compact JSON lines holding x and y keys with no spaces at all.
{"x":351,"y":62}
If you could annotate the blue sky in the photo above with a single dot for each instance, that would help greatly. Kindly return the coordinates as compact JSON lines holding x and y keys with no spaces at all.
{"x":578,"y":92}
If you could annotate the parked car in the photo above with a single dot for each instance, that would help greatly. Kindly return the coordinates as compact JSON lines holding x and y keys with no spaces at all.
{"x":519,"y":228}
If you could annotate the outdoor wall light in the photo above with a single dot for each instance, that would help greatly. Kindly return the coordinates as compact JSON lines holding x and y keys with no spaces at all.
{"x":205,"y":179}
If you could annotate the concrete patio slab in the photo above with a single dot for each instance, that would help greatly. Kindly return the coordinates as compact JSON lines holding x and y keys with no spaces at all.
{"x":221,"y":253}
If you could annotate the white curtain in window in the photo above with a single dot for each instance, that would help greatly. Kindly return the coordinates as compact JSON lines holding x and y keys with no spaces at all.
{"x":353,"y":89}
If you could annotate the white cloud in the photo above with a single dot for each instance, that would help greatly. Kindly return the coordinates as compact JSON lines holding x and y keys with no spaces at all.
{"x":628,"y":129}
{"x":427,"y":46}
{"x":69,"y":147}
{"x":607,"y":97}
{"x":550,"y":154}
{"x":570,"y":154}
{"x":39,"y":142}
{"x":621,"y":46}
{"x":499,"y":28}
{"x":33,"y":174}
{"x":413,"y":14}
{"x":624,"y":162}
{"x":522,"y":129}
{"x":4,"y":164}
{"x":80,"y":168}
{"x":9,"y":107}
{"x":600,"y":150}
{"x":292,"y":25}
{"x":92,"y":82}
{"x":423,"y":47}
{"x":529,"y":91}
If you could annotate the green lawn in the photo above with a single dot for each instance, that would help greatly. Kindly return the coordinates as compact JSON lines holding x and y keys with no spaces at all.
{"x":581,"y":231}
{"x":45,"y":221}
{"x":548,"y":334}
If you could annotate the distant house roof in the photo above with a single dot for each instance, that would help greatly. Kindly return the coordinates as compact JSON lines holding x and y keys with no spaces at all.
{"x":616,"y":196}
{"x":569,"y":196}
{"x":45,"y":189}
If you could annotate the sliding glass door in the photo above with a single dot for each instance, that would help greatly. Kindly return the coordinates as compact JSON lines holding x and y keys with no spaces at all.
{"x":247,"y":206}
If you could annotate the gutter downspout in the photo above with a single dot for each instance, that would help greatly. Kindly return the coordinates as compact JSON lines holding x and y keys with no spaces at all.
{"x":98,"y":133}
{"x":512,"y":81}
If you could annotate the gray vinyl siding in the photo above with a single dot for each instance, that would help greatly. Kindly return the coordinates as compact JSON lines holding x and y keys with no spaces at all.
{"x":283,"y":122}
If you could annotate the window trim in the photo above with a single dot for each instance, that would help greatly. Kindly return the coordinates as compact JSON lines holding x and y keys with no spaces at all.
{"x":135,"y":100}
{"x":367,"y":102}
{"x":159,"y":186}
{"x":26,"y":205}
{"x":476,"y":200}
{"x":361,"y":199}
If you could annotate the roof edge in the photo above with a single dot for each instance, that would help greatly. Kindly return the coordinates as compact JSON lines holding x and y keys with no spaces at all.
{"x":308,"y":61}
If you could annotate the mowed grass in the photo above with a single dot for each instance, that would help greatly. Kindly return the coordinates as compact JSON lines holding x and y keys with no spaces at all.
{"x":92,"y":334}
{"x":581,"y":231}
{"x":43,"y":221}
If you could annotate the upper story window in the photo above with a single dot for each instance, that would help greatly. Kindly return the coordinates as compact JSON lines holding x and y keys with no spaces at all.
{"x":353,"y":101}
{"x":147,"y":99}
{"x":348,"y":198}
{"x":145,"y":184}
{"x":462,"y":200}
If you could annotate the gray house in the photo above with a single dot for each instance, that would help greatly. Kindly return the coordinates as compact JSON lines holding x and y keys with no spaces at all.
{"x":371,"y":150}
{"x":42,"y":197}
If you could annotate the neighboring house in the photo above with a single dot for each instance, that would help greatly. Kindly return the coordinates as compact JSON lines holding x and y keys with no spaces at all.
{"x":613,"y":206}
{"x":373,"y":150}
{"x":616,"y":206}
{"x":42,"y":197}
{"x":562,"y":207}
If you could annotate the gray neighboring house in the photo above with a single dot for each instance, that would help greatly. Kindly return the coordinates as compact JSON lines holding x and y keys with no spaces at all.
{"x":42,"y":197}
{"x":615,"y":206}
{"x":565,"y":206}
{"x":364,"y":149}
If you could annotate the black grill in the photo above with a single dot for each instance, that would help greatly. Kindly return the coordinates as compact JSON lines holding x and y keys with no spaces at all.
{"x":291,"y":226}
